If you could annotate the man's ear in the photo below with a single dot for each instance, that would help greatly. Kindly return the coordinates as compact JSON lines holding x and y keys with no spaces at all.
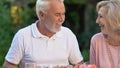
{"x":42,"y":15}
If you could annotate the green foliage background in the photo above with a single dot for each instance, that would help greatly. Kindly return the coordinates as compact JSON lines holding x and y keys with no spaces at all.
{"x":82,"y":23}
{"x":6,"y":31}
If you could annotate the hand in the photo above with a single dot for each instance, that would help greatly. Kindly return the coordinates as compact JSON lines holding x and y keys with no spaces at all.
{"x":87,"y":66}
{"x":76,"y":66}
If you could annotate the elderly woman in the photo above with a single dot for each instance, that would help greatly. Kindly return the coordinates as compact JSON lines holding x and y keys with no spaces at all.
{"x":105,"y":46}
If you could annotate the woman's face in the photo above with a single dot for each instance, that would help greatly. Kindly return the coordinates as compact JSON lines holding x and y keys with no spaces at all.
{"x":102,"y":21}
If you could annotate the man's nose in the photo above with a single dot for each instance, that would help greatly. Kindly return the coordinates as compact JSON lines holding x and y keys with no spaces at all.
{"x":61,"y":18}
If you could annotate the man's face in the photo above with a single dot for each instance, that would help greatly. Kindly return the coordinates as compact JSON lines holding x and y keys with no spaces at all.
{"x":55,"y":16}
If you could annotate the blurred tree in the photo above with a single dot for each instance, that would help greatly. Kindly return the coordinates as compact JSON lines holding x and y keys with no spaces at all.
{"x":75,"y":1}
{"x":6,"y":33}
{"x":90,"y":23}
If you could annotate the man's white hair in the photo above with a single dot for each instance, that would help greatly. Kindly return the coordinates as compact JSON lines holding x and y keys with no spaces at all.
{"x":43,"y":5}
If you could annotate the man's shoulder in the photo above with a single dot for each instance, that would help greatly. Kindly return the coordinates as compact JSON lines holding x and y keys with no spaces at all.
{"x":24,"y":31}
{"x":67,"y":32}
{"x":65,"y":29}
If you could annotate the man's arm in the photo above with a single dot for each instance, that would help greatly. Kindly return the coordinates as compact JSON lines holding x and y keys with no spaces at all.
{"x":9,"y":65}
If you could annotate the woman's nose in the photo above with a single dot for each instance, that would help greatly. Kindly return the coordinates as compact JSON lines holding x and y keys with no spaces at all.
{"x":97,"y":20}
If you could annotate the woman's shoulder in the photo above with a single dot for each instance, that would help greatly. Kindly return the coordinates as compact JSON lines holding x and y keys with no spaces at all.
{"x":97,"y":36}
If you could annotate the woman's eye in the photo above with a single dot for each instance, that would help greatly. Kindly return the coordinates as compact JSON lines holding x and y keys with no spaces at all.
{"x":100,"y":16}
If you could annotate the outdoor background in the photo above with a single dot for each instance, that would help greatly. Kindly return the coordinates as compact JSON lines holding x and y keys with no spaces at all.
{"x":80,"y":18}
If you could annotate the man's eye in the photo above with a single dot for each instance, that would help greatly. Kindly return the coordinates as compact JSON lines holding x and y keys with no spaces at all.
{"x":57,"y":14}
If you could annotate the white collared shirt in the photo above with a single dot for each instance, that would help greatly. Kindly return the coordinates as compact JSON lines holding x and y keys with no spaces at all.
{"x":30,"y":46}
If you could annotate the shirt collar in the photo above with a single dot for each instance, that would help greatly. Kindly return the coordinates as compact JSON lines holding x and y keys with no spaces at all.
{"x":35,"y":30}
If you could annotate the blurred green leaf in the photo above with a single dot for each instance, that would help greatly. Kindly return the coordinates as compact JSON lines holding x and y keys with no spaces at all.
{"x":75,"y":1}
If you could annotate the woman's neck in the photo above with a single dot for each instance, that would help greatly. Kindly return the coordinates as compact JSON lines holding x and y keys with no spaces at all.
{"x":112,"y":39}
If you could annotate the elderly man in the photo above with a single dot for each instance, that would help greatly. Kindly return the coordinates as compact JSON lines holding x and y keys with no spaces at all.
{"x":45,"y":42}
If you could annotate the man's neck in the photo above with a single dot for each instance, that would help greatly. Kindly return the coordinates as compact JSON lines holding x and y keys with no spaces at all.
{"x":44,"y":31}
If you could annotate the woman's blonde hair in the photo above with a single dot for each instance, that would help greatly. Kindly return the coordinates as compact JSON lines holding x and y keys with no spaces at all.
{"x":112,"y":13}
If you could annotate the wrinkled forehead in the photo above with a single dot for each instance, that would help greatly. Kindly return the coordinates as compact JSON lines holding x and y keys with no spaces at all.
{"x":102,"y":10}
